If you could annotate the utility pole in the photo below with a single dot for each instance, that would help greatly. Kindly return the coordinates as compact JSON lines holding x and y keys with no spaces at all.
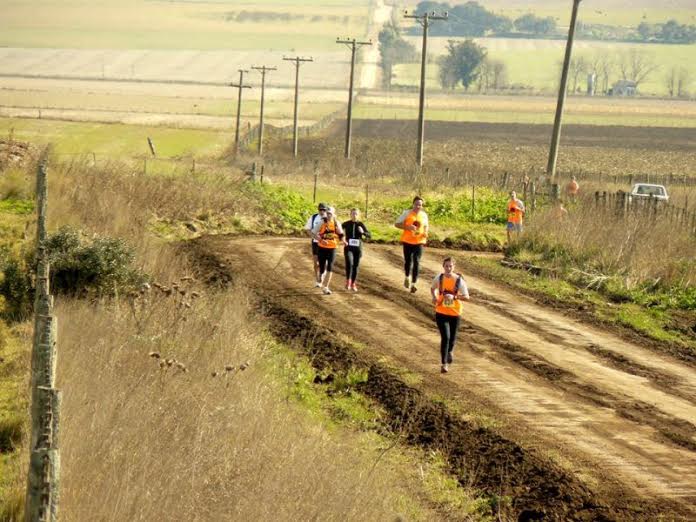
{"x":298,"y":61}
{"x":239,"y":86}
{"x":352,"y":45}
{"x":424,"y":20}
{"x":263,"y":70}
{"x":556,"y":136}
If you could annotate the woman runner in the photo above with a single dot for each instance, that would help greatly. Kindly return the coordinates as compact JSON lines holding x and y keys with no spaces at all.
{"x":355,"y":232}
{"x":329,"y":233}
{"x":448,"y":291}
{"x":414,"y":223}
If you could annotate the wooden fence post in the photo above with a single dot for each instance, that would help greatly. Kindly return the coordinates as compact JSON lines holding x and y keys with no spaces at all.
{"x":42,"y":495}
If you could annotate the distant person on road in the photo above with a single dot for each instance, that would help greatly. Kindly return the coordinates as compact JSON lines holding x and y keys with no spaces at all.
{"x":515,"y":215}
{"x":414,"y":223}
{"x":572,"y":189}
{"x":309,"y":227}
{"x":355,"y":232}
{"x":329,"y":235}
{"x":448,"y":290}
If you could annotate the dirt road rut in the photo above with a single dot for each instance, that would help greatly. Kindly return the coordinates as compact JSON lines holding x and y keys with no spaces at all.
{"x":619,"y":417}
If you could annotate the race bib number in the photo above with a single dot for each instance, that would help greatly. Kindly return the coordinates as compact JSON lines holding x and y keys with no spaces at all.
{"x":354,"y":242}
{"x":448,"y":301}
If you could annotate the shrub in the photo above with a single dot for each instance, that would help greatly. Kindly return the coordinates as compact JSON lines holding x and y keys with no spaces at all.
{"x":103,"y":265}
{"x":16,"y":290}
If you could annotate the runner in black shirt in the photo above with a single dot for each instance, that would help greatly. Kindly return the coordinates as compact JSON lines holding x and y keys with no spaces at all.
{"x":354,"y":233}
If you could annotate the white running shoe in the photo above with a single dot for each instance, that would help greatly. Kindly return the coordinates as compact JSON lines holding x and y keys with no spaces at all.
{"x":407,"y":282}
{"x":326,"y":290}
{"x":317,"y":284}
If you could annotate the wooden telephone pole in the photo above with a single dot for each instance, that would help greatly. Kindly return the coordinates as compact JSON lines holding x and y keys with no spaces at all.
{"x":424,"y":20}
{"x":263,"y":70}
{"x":239,"y":86}
{"x":297,"y":61}
{"x":562,"y":90}
{"x":352,"y":45}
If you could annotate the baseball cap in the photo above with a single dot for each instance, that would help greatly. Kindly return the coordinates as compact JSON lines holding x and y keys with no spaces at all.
{"x":322,"y":206}
{"x":331,"y":209}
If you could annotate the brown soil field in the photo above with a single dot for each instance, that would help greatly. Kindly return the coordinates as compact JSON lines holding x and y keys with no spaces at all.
{"x":649,"y":138}
{"x":566,"y":420}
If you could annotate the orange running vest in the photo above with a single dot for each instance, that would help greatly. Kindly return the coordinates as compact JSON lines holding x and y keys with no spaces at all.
{"x":328,"y":237}
{"x":417,"y":237}
{"x":448,"y":285}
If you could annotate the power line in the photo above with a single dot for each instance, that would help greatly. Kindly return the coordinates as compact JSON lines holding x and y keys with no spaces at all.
{"x":352,"y":45}
{"x":297,"y":61}
{"x":263,"y":70}
{"x":241,"y":87}
{"x":424,"y":20}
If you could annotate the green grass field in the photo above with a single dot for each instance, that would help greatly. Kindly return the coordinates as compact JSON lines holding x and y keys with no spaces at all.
{"x":132,"y":24}
{"x":114,"y":140}
{"x":536,"y":63}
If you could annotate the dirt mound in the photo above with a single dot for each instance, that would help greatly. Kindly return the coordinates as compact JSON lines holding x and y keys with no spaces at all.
{"x":15,"y":153}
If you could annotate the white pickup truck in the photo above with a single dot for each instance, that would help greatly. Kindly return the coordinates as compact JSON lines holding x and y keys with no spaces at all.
{"x":647,"y":191}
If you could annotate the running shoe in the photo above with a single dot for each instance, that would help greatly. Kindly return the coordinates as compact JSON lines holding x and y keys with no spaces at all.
{"x":317,"y":284}
{"x":449,"y":358}
{"x":326,"y":290}
{"x":407,"y":282}
{"x":444,"y":368}
{"x":354,"y":287}
{"x":413,"y":288}
{"x":349,"y":284}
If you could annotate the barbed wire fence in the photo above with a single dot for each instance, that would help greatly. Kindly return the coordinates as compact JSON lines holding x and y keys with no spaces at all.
{"x":44,"y":464}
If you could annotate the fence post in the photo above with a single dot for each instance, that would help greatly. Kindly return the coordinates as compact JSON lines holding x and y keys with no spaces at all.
{"x":473,"y":202}
{"x":367,"y":198}
{"x":42,"y":494}
{"x":263,"y":167}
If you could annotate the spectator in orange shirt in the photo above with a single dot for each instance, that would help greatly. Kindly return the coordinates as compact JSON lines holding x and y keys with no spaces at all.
{"x":572,"y":189}
{"x":515,"y":211}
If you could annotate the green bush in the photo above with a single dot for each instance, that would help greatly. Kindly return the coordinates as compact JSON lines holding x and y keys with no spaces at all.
{"x":102,"y":266}
{"x":16,"y":290}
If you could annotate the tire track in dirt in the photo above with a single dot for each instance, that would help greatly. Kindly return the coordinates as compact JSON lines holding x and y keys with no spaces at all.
{"x":565,"y":402}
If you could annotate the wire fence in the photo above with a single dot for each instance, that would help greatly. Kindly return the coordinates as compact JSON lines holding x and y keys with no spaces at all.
{"x":44,"y":466}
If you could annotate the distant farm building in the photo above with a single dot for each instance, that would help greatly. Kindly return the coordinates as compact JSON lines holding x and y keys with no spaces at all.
{"x":624,"y":88}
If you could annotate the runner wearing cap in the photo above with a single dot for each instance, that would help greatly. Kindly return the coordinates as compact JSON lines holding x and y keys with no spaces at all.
{"x":448,"y":291}
{"x":329,"y":234}
{"x":313,"y":220}
{"x":355,"y":232}
{"x":414,"y":223}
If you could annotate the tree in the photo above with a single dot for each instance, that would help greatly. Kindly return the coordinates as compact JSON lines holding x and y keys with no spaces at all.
{"x":683,"y":82}
{"x":393,"y":49}
{"x":447,"y":74}
{"x":464,"y":60}
{"x":637,"y":66}
{"x":603,"y":66}
{"x":530,"y":23}
{"x":579,"y":66}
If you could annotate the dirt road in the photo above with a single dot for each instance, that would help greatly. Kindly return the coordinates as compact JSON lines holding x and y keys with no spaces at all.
{"x":619,"y":417}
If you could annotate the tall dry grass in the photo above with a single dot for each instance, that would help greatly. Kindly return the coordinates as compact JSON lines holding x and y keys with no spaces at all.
{"x":142,"y":440}
{"x":596,"y":243}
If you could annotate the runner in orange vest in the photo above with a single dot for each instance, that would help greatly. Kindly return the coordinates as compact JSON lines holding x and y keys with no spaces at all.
{"x":448,"y":291}
{"x":572,"y":189}
{"x":329,"y":234}
{"x":414,"y":223}
{"x":515,"y":212}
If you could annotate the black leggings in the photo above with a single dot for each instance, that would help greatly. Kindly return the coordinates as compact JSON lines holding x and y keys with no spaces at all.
{"x":412,"y":255}
{"x":448,"y":326}
{"x":326,"y":259}
{"x":352,"y":256}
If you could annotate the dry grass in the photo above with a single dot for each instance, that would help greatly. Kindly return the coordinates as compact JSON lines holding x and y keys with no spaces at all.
{"x":147,"y":439}
{"x":141,"y":442}
{"x":597,"y":243}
